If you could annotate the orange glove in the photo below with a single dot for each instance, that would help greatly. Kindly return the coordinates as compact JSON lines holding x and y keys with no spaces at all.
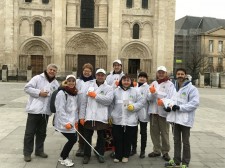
{"x":152,"y":89}
{"x":68,"y":126}
{"x":160,"y":102}
{"x":76,"y":125}
{"x":135,"y":84}
{"x":92,"y":94}
{"x":117,"y":83}
{"x":82,"y":121}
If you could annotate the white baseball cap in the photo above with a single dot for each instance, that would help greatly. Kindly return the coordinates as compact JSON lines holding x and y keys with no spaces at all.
{"x":117,"y":61}
{"x":100,"y":71}
{"x":70,"y":76}
{"x":161,"y":68}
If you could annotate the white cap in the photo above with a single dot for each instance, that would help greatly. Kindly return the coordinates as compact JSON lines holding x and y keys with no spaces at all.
{"x":117,"y":61}
{"x":100,"y":71}
{"x":70,"y":76}
{"x":161,"y":68}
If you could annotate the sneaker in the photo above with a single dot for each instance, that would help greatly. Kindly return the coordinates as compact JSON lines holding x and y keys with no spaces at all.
{"x":67,"y":162}
{"x":153,"y":154}
{"x":142,"y":154}
{"x":125,"y":160}
{"x":86,"y":159}
{"x":171,"y":163}
{"x":42,"y":155}
{"x":61,"y":159}
{"x":101,"y":159}
{"x":166,"y":157}
{"x":27,"y":158}
{"x":116,"y":160}
{"x":184,"y":166}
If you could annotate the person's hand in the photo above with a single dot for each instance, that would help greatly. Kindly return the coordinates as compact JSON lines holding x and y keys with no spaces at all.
{"x":152,"y":89}
{"x":82,"y":121}
{"x":134,"y":84}
{"x":43,"y":93}
{"x":130,"y":107}
{"x":160,"y":102}
{"x":110,"y":120}
{"x":117,"y":83}
{"x":76,"y":125}
{"x":175,"y":107}
{"x":68,"y":126}
{"x":92,"y":94}
{"x":168,"y":109}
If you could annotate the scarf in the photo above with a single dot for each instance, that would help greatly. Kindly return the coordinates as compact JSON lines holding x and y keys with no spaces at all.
{"x":140,"y":84}
{"x":117,"y":72}
{"x":48,"y":77}
{"x":85,"y":79}
{"x":70,"y":91}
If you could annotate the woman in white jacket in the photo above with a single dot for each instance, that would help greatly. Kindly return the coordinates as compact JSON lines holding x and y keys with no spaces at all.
{"x":126,"y":103}
{"x":66,"y":117}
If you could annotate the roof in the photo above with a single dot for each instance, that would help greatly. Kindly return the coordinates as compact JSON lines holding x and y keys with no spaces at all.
{"x":203,"y":24}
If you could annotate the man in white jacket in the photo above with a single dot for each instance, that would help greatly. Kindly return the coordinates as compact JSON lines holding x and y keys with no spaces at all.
{"x":94,"y":113}
{"x":185,"y":102}
{"x":39,"y":89}
{"x":159,"y":127}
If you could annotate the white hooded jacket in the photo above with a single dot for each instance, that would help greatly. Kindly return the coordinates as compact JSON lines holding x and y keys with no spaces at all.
{"x":187,"y":97}
{"x":66,"y":111}
{"x":37,"y":104}
{"x":118,"y":110}
{"x":96,"y":109}
{"x":163,"y":90}
{"x":112,"y":78}
{"x":143,"y":115}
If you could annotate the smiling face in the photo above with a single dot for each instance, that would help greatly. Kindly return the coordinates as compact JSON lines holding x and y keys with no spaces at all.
{"x":100,"y":77}
{"x":181,"y":76}
{"x":71,"y":82}
{"x":161,"y":74}
{"x":142,"y":79}
{"x":51,"y":71}
{"x":126,"y":82}
{"x":117,"y":67}
{"x":87,"y":72}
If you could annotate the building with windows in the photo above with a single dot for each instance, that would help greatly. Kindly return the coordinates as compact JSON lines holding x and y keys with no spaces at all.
{"x":199,"y":45}
{"x":73,"y":32}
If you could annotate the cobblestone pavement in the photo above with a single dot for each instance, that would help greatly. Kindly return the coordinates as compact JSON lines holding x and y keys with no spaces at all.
{"x":207,"y":135}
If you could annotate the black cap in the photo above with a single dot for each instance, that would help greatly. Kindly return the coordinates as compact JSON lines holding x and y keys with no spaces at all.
{"x":143,"y":74}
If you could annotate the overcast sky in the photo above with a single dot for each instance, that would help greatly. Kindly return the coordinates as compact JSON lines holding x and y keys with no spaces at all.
{"x":200,"y":8}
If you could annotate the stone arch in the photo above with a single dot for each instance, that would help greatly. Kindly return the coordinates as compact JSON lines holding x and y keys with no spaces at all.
{"x":86,"y":43}
{"x":38,"y":18}
{"x":136,"y":49}
{"x":35,"y":46}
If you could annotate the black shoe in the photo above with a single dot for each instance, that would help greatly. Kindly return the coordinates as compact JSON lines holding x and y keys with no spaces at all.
{"x":86,"y":159}
{"x":27,"y":158}
{"x":42,"y":155}
{"x":80,"y":152}
{"x":101,"y":159}
{"x":153,"y":154}
{"x":142,"y":154}
{"x":133,"y":152}
{"x":166,"y":157}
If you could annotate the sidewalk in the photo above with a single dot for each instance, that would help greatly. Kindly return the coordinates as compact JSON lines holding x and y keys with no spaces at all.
{"x":207,"y":135}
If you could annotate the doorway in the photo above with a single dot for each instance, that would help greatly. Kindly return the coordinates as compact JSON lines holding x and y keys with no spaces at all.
{"x":37,"y":64}
{"x":133,"y":67}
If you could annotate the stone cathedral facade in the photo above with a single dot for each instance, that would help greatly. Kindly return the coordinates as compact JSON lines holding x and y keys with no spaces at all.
{"x":70,"y":33}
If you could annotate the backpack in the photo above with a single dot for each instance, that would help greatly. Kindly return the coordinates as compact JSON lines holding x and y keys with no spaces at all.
{"x":52,"y":101}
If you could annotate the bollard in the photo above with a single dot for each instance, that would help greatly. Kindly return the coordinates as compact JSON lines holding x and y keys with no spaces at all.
{"x":4,"y":73}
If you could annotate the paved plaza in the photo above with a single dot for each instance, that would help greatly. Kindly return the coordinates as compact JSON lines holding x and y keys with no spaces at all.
{"x":207,"y":135}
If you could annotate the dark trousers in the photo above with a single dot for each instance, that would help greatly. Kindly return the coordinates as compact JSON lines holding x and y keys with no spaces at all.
{"x":72,"y":139}
{"x":35,"y":127}
{"x":134,"y":139}
{"x":81,"y":140}
{"x":123,"y":136}
{"x":183,"y":132}
{"x":143,"y":132}
{"x":100,"y":145}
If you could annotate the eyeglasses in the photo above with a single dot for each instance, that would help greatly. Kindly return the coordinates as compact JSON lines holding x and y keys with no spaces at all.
{"x":86,"y":71}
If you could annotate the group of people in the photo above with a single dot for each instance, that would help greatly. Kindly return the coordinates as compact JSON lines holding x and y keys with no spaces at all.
{"x":91,"y":104}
